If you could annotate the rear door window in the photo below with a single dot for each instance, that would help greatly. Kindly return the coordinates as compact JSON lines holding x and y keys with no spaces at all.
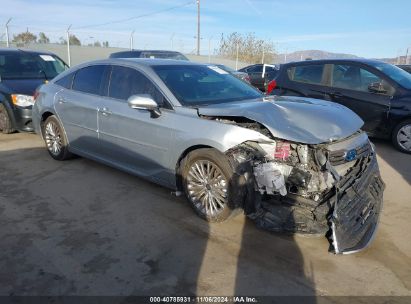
{"x":125,"y":82}
{"x":312,"y":74}
{"x":89,"y":79}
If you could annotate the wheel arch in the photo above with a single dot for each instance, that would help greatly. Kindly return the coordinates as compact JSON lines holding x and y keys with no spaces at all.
{"x":179,"y":180}
{"x":46,"y":114}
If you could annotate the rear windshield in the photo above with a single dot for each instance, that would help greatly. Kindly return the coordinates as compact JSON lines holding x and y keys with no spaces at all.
{"x":198,"y":85}
{"x":226,"y":68}
{"x":24,"y":65}
{"x":399,"y":75}
{"x":163,"y":55}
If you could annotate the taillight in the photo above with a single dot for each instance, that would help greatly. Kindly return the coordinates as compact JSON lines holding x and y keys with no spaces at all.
{"x":271,"y":86}
{"x":282,"y":150}
{"x":247,"y":78}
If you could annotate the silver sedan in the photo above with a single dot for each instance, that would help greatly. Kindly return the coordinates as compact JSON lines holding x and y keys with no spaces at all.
{"x":292,"y":164}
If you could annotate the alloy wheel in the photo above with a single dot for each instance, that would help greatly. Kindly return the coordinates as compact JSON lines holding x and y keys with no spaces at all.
{"x":404,"y":137}
{"x":53,"y":138}
{"x":207,"y":187}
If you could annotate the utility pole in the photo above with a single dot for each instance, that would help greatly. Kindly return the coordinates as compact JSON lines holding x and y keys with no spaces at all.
{"x":209,"y":49}
{"x":406,"y":56}
{"x":132,"y":40}
{"x":68,"y":46}
{"x":236,"y":59}
{"x":7,"y":32}
{"x":198,"y":27}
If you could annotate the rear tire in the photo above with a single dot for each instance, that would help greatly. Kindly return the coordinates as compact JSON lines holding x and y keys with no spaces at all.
{"x":207,"y":183}
{"x":55,"y":139}
{"x":401,"y":136}
{"x":5,"y":121}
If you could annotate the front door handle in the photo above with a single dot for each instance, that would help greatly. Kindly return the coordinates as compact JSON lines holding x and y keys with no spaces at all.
{"x":105,"y":111}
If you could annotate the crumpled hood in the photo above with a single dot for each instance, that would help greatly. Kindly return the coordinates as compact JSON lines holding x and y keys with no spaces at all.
{"x":298,"y":119}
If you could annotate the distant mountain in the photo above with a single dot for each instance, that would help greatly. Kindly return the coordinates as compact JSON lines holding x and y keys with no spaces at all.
{"x":317,"y":54}
{"x":397,"y":60}
{"x":313,"y":54}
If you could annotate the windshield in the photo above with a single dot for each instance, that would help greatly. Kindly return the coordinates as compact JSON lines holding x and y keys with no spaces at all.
{"x":198,"y":85}
{"x":395,"y":73}
{"x":24,"y":65}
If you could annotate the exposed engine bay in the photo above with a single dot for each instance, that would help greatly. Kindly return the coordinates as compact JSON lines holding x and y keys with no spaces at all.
{"x":331,"y":189}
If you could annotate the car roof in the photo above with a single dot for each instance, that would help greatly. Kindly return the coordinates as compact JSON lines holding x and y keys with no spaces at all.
{"x":138,"y":52}
{"x":325,"y":61}
{"x":142,"y":62}
{"x":17,"y":50}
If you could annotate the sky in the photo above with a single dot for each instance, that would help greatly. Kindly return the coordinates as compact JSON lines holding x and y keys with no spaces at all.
{"x":366,"y":28}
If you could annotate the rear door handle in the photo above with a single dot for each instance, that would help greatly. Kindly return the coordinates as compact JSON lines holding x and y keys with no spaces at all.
{"x":61,"y":100}
{"x":105,"y":111}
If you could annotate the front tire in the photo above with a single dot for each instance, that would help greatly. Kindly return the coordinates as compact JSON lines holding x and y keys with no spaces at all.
{"x":401,"y":136}
{"x":5,"y":121}
{"x":207,"y":183}
{"x":55,"y":139}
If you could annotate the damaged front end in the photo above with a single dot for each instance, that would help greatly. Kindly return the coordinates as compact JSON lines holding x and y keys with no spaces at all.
{"x":330,"y":189}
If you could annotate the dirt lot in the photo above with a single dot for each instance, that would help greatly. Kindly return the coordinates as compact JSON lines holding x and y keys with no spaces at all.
{"x":81,"y":228}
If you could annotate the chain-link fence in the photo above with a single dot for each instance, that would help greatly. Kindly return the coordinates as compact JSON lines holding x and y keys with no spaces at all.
{"x":80,"y":54}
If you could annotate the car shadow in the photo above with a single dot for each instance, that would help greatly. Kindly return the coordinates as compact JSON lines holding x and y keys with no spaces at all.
{"x":394,"y":158}
{"x":81,"y":228}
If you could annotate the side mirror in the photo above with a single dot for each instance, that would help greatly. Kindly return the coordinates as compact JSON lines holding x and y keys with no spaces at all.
{"x":377,"y":87}
{"x":144,"y":102}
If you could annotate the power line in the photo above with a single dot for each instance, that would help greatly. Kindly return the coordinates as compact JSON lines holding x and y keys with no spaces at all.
{"x":136,"y":17}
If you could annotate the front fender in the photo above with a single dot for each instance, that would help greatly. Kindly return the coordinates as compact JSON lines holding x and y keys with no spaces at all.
{"x":219,"y":136}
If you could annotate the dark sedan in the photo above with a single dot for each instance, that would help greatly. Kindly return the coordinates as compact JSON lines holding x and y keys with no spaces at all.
{"x":405,"y":67}
{"x":380,"y":93}
{"x":257,"y":78}
{"x":240,"y":75}
{"x":21,"y":72}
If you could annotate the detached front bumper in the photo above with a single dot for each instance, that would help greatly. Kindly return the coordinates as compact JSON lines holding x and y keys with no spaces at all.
{"x":358,"y":204}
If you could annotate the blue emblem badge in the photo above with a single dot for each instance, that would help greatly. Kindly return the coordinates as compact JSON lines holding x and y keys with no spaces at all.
{"x":351,"y":155}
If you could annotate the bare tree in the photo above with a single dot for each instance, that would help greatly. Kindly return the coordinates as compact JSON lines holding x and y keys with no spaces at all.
{"x":74,"y":40}
{"x":43,"y":38}
{"x":24,"y":38}
{"x":250,"y":48}
{"x":62,"y":41}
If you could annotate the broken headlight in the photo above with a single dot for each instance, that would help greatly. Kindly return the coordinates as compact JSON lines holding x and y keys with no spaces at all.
{"x":279,"y":150}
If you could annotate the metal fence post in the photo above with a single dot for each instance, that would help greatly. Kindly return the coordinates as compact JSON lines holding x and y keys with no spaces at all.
{"x":68,"y":46}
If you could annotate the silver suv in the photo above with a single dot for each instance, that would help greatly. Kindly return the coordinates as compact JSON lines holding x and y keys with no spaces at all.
{"x":292,"y":164}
